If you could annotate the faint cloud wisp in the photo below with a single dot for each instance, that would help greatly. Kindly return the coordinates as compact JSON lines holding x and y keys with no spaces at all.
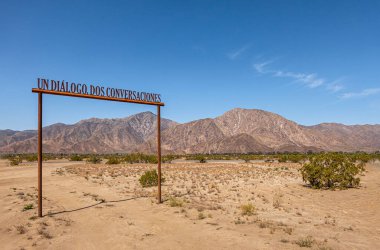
{"x":310,"y":80}
{"x":335,"y":86}
{"x":363,"y":93}
{"x":260,"y":67}
{"x":236,"y":53}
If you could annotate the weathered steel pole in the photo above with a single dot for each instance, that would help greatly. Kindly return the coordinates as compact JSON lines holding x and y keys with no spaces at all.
{"x":159,"y":151}
{"x":39,"y":148}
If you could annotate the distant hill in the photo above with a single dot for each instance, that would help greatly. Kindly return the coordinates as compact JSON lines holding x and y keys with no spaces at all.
{"x":87,"y":136}
{"x":251,"y":130}
{"x":236,"y":131}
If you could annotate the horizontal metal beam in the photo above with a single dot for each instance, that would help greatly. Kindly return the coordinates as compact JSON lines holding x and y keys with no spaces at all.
{"x":104,"y":98}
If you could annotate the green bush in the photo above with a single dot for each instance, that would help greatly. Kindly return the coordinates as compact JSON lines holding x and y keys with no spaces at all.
{"x":282,"y":159}
{"x":295,"y":158}
{"x":94,"y":159}
{"x":46,"y":157}
{"x":15,"y":161}
{"x":28,"y":207}
{"x":150,"y":179}
{"x":113,"y":160}
{"x":168,"y":158}
{"x":140,"y":158}
{"x":202,"y":160}
{"x":76,"y":158}
{"x":31,"y":158}
{"x":332,"y":171}
{"x":246,"y":158}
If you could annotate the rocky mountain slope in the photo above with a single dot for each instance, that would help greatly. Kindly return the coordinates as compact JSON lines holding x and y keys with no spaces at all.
{"x":236,"y":131}
{"x":87,"y":136}
{"x":244,"y":131}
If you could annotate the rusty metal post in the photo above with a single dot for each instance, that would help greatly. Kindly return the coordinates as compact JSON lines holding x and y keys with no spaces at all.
{"x":39,"y":148}
{"x":159,"y":151}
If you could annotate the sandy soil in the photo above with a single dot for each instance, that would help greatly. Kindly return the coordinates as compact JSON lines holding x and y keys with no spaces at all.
{"x":104,"y":207}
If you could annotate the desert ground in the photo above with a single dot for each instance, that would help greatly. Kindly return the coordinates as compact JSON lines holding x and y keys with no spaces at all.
{"x":220,"y":205}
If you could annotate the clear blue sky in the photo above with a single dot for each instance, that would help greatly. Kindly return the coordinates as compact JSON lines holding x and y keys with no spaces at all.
{"x":309,"y":61}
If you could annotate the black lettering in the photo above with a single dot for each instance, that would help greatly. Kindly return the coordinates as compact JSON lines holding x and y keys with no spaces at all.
{"x":73,"y":88}
{"x":45,"y":84}
{"x":92,"y":90}
{"x":53,"y":84}
{"x":39,"y":83}
{"x":62,"y":87}
{"x":112,"y":92}
{"x":117,"y":93}
{"x":84,"y":89}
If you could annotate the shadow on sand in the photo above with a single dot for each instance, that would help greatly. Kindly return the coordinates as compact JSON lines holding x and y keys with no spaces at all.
{"x":93,"y":205}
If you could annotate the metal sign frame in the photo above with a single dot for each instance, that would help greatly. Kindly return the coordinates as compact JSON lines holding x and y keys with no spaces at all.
{"x":41,"y":91}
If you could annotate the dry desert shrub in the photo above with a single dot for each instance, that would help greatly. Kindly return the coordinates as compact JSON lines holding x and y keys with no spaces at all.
{"x":113,"y":160}
{"x":248,"y":209}
{"x":284,"y":241}
{"x":264,"y":224}
{"x":94,"y":159}
{"x":21,"y":229}
{"x":201,"y":216}
{"x":45,"y":234}
{"x":174,"y":202}
{"x":277,"y":200}
{"x":76,"y":157}
{"x":288,"y":230}
{"x":15,"y":161}
{"x":305,"y":242}
{"x":95,"y":197}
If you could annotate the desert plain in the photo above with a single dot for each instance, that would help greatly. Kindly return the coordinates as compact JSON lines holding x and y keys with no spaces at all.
{"x":215,"y":205}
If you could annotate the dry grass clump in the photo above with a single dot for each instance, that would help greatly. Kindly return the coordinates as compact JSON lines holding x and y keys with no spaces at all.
{"x":95,"y":197}
{"x":45,"y":234}
{"x":248,"y":209}
{"x":305,"y":242}
{"x":174,"y":202}
{"x":284,"y":241}
{"x":288,"y":230}
{"x":264,"y":224}
{"x":201,"y":216}
{"x":277,"y":200}
{"x":21,"y":229}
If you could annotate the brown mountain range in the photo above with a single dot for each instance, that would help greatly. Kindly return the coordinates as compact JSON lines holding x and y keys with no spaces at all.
{"x":236,"y":131}
{"x":87,"y":136}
